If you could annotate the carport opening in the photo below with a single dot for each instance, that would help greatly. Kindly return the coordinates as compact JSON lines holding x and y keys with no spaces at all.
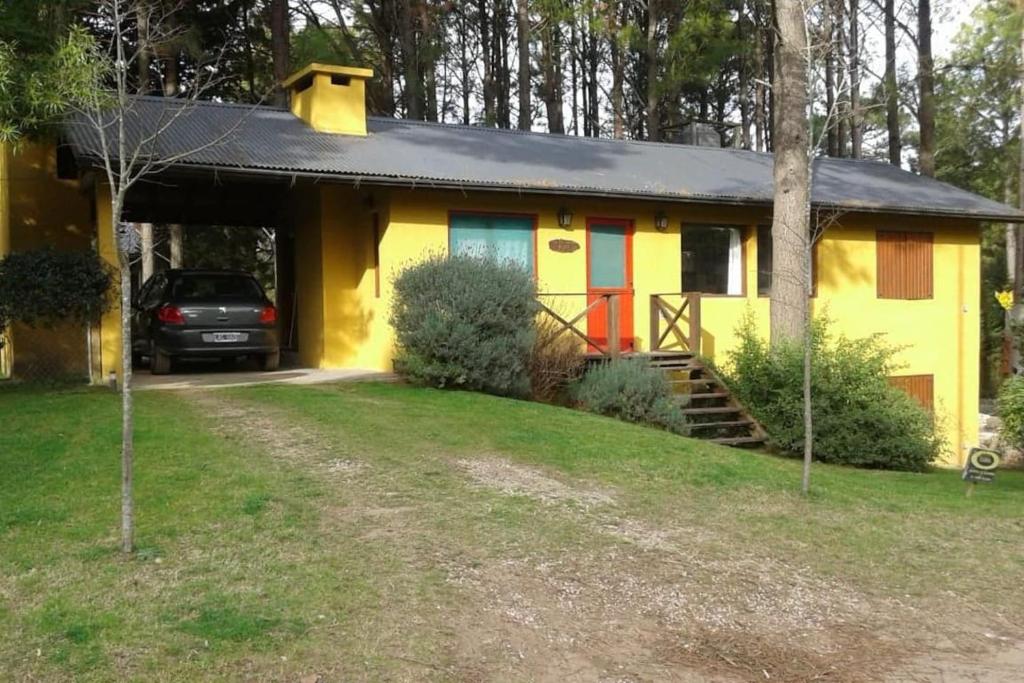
{"x":197,"y":224}
{"x":264,"y":252}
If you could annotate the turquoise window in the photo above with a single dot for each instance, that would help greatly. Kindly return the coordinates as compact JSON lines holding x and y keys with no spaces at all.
{"x":505,"y":238}
{"x":607,"y":256}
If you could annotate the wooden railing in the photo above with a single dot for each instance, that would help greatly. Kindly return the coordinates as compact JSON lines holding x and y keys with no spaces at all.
{"x":610,"y":346}
{"x":664,"y":313}
{"x":674,"y":327}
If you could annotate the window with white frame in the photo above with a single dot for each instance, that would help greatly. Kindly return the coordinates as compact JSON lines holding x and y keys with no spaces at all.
{"x":713,"y":259}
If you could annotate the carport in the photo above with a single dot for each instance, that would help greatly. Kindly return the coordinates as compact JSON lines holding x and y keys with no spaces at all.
{"x":170,"y":208}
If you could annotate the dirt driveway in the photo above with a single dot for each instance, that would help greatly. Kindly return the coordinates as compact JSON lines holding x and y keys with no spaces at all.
{"x":588,"y":592}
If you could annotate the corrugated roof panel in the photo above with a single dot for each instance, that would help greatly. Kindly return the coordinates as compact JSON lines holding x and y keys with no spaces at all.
{"x":229,"y":136}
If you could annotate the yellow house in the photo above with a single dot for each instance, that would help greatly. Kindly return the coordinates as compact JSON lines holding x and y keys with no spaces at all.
{"x":631,"y":229}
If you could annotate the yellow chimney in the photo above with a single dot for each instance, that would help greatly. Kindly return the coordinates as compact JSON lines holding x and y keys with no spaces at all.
{"x":331,"y":99}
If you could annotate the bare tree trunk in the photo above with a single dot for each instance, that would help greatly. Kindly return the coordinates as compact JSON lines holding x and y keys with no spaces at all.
{"x":523,"y":40}
{"x":760,"y":104}
{"x":427,"y":61}
{"x":280,"y":26}
{"x":841,"y":63}
{"x":828,"y":40}
{"x":1017,"y":253}
{"x":790,"y":222}
{"x":464,"y":64}
{"x":618,"y":72}
{"x":414,"y":104}
{"x":805,"y":475}
{"x":651,"y":59}
{"x":504,"y":76}
{"x":926,"y":86}
{"x":490,"y":116}
{"x":551,"y":63}
{"x":127,"y":408}
{"x":770,"y":117}
{"x":574,"y":76}
{"x":593,"y":62}
{"x":144,"y":56}
{"x":856,"y":120}
{"x":892,"y":103}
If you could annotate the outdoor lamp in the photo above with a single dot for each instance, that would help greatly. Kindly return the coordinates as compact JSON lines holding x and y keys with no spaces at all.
{"x":661,"y":221}
{"x":564,"y":218}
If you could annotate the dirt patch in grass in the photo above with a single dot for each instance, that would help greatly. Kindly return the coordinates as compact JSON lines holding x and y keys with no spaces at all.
{"x":619,"y":598}
{"x":517,"y":480}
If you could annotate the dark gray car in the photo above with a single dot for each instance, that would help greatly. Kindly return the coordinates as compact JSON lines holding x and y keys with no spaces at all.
{"x":204,"y":314}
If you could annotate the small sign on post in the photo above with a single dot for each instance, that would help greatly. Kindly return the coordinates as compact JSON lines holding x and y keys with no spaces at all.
{"x":981,"y":466}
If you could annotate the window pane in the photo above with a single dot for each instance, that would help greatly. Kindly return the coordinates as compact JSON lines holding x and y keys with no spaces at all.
{"x":607,"y":256}
{"x":764,"y":260}
{"x":499,"y":237}
{"x":713,"y":259}
{"x":203,"y":287}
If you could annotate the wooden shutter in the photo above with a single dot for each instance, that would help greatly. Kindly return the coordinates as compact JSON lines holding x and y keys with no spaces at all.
{"x":904,"y":265}
{"x":919,"y":387}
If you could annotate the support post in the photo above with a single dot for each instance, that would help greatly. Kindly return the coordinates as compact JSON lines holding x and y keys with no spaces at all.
{"x":176,"y":246}
{"x":147,"y":250}
{"x":613,"y":325}
{"x":653,"y":345}
{"x":693,"y":303}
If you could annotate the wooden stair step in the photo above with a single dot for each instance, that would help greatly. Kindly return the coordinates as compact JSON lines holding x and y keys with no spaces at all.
{"x":737,"y":440}
{"x":690,"y":380}
{"x":725,"y":423}
{"x":718,"y":410}
{"x":714,"y":394}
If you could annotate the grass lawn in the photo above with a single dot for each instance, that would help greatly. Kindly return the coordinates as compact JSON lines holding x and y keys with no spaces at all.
{"x":380,"y":532}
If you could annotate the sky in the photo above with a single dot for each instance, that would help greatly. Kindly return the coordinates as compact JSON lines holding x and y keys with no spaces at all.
{"x":951,"y":16}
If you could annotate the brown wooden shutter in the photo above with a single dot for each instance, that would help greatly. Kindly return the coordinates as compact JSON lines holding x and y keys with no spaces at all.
{"x":904,"y":265}
{"x":919,"y":387}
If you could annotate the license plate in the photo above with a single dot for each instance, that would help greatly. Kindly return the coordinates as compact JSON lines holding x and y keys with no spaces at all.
{"x":226,"y":337}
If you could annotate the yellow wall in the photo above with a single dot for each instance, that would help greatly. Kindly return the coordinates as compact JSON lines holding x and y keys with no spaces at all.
{"x":45,"y":211}
{"x":110,"y":323}
{"x":940,"y":335}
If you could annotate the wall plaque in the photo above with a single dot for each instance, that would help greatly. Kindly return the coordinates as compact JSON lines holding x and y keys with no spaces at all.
{"x":563,"y":246}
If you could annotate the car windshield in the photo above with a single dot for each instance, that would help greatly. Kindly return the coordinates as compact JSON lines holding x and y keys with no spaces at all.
{"x":215,"y":287}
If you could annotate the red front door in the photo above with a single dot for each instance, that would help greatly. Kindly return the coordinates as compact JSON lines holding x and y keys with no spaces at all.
{"x":610,"y":271}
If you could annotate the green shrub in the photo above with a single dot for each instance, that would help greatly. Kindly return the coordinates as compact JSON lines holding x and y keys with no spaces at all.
{"x":466,"y":322}
{"x":859,"y":418}
{"x":1011,"y":411}
{"x":631,"y":390}
{"x":44,"y":287}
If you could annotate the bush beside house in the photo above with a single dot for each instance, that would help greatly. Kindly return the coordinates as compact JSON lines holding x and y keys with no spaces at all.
{"x":629,"y":389}
{"x":859,"y":418}
{"x":472,"y":322}
{"x":45,"y":287}
{"x":465,"y":321}
{"x":1011,"y":411}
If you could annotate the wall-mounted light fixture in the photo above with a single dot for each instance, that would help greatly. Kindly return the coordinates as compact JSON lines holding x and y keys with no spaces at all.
{"x":661,"y":221}
{"x":564,"y":218}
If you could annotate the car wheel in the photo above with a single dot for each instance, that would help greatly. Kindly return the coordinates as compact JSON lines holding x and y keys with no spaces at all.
{"x":159,"y":363}
{"x":270,"y":361}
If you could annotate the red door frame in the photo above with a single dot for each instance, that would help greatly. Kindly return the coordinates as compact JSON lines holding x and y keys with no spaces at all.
{"x":597,"y":318}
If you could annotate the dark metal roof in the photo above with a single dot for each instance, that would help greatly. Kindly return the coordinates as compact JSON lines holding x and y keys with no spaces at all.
{"x":270,"y":140}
